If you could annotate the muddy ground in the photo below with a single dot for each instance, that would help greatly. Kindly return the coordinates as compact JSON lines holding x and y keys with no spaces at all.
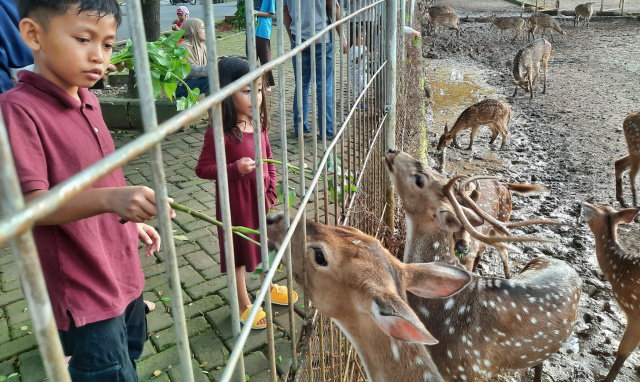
{"x":566,"y":140}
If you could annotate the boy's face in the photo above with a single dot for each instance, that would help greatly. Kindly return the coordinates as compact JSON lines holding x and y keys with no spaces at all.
{"x":73,"y":50}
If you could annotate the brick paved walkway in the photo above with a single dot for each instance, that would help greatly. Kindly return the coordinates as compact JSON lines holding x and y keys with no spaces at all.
{"x":204,"y":288}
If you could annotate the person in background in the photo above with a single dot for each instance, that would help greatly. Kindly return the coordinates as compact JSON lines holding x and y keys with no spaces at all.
{"x":183,"y":14}
{"x":264,"y":10}
{"x":13,"y":51}
{"x":325,"y":10}
{"x":55,"y":127}
{"x":237,"y":120}
{"x":358,"y":61}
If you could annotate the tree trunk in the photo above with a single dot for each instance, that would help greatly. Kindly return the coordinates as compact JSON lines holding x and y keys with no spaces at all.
{"x":151,"y":16}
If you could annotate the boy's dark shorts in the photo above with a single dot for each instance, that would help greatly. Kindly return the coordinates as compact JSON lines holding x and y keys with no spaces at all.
{"x":107,"y":350}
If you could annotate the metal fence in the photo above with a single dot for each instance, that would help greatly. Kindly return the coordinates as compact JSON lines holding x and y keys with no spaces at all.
{"x":361,"y":137}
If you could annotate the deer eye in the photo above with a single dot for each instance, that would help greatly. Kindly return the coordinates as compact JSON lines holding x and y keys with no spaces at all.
{"x":419,"y":181}
{"x":320,"y":260}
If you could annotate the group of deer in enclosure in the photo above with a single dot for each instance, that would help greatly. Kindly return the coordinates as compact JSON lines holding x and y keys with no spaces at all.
{"x":477,"y":326}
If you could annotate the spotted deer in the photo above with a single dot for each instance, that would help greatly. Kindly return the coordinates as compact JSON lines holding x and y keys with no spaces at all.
{"x":544,"y":21}
{"x":631,"y":128}
{"x":621,"y":269}
{"x":495,"y":199}
{"x":506,"y":23}
{"x":436,"y":10}
{"x":493,"y":325}
{"x":351,"y":278}
{"x":527,"y":62}
{"x":446,"y":19}
{"x":585,"y":11}
{"x":491,"y":112}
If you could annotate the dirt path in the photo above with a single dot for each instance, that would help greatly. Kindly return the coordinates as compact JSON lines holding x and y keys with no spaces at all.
{"x":566,"y":140}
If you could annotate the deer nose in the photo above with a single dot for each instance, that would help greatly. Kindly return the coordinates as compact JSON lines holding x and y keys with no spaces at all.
{"x":392,"y":151}
{"x":461,"y":246}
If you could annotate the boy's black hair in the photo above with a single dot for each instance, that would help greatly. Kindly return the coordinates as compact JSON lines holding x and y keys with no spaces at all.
{"x":44,"y":10}
{"x":231,"y":68}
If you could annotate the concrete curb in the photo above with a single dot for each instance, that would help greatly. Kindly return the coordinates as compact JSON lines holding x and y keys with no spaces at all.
{"x":124,"y":113}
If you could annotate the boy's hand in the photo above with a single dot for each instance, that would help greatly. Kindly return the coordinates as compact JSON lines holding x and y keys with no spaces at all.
{"x":246,"y":165}
{"x":136,"y":204}
{"x":150,"y":237}
{"x":111,"y":68}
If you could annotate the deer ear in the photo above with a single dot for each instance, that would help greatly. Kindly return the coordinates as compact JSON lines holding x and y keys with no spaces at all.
{"x":395,"y":318}
{"x":435,"y":280}
{"x":590,"y":211}
{"x":446,"y":127}
{"x":626,"y":215}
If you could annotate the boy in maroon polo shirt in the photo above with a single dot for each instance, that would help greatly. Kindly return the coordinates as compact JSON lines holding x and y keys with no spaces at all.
{"x":55,"y":126}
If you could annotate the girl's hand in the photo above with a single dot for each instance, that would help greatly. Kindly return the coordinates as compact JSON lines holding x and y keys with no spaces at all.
{"x":246,"y":165}
{"x":150,"y":237}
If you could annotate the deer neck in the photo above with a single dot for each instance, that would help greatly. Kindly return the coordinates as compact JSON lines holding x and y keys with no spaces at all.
{"x":608,"y":250}
{"x":426,"y":242}
{"x":386,"y":359}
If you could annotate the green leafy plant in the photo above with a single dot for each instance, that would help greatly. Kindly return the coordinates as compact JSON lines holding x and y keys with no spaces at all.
{"x":338,"y":190}
{"x":272,"y":256}
{"x":168,"y":67}
{"x":238,"y":21}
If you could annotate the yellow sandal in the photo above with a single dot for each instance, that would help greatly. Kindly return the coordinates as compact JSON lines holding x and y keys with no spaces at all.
{"x":261,"y":315}
{"x":280,"y":295}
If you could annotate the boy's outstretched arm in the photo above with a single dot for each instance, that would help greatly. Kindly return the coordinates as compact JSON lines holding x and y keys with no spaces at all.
{"x":135,"y":204}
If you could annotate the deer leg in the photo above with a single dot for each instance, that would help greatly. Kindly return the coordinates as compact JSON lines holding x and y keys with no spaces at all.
{"x":621,"y":165}
{"x":544,"y":69}
{"x":473,"y":134}
{"x":537,"y":377}
{"x":515,"y":36}
{"x":505,"y":135}
{"x":481,"y":248}
{"x":633,"y":173}
{"x":494,"y":132}
{"x":630,"y":341}
{"x":504,"y":255}
{"x":529,"y":75}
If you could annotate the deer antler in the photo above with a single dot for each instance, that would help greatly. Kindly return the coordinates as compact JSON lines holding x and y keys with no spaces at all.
{"x":493,"y":240}
{"x":472,"y":204}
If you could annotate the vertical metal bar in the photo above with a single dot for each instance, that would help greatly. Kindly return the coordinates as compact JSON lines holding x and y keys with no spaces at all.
{"x":325,"y":117}
{"x":30,"y":270}
{"x":260,"y":195}
{"x":403,"y":16}
{"x":315,"y":113}
{"x":150,"y":123}
{"x":412,"y":5}
{"x":285,"y":174}
{"x":223,"y":184}
{"x":391,"y":44}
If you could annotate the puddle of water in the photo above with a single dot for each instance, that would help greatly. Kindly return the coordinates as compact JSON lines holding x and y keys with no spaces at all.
{"x":454,"y":89}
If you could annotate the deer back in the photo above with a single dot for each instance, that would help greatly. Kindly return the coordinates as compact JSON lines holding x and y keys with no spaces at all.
{"x":439,"y":10}
{"x":351,"y":278}
{"x":620,"y":268}
{"x":446,"y":19}
{"x":631,"y":128}
{"x":505,"y":23}
{"x":528,"y":56}
{"x":482,"y":113}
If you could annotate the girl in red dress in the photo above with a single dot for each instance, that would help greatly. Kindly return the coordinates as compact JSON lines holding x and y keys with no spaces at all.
{"x":238,"y":141}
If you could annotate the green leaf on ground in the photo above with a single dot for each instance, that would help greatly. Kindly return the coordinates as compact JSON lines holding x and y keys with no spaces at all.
{"x":181,"y":237}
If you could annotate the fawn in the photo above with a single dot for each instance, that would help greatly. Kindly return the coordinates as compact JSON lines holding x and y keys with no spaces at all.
{"x":505,"y":23}
{"x":527,"y":61}
{"x":585,"y":11}
{"x":351,"y":278}
{"x":491,"y":112}
{"x":545,"y":22}
{"x":621,"y":269}
{"x":631,"y":128}
{"x":445,"y":19}
{"x":495,"y":198}
{"x":493,"y":325}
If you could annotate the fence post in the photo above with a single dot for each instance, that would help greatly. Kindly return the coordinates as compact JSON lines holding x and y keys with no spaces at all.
{"x":392,"y":31}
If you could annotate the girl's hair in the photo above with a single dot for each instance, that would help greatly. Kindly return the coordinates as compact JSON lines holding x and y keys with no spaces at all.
{"x":230,"y":69}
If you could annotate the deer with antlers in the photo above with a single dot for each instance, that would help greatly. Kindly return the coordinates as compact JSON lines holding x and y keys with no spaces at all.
{"x":495,"y":199}
{"x":536,"y":310}
{"x":631,"y":128}
{"x":527,"y":62}
{"x":491,"y":112}
{"x":621,"y":269}
{"x":351,"y":278}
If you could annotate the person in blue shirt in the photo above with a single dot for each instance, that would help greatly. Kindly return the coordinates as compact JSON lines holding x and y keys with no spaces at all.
{"x":14,"y":53}
{"x":265,"y":10}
